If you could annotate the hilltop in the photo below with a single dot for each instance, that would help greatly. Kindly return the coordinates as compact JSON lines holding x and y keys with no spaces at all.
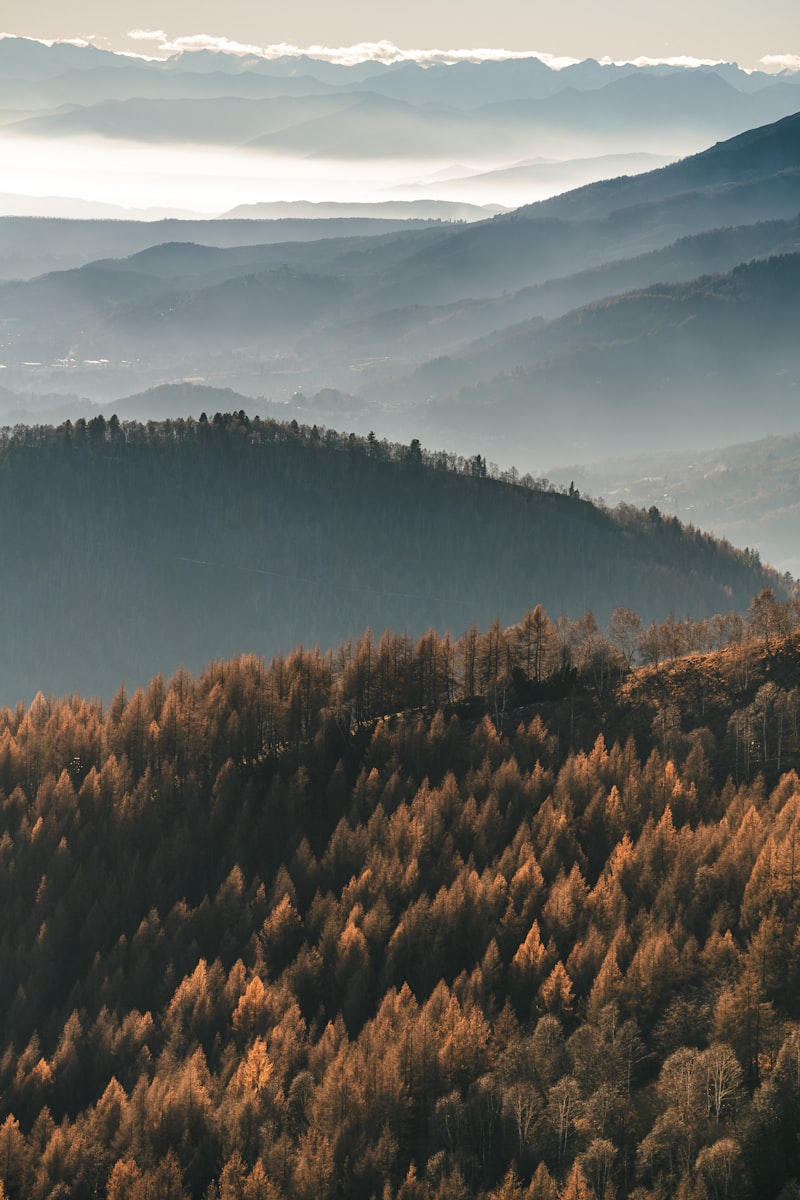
{"x":133,"y":548}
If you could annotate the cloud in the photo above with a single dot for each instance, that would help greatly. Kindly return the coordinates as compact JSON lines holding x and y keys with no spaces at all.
{"x":677,"y":60}
{"x":781,"y":62}
{"x":80,"y":42}
{"x":195,"y":41}
{"x":485,"y":55}
{"x":388,"y":52}
{"x":147,"y":35}
{"x":384,"y":51}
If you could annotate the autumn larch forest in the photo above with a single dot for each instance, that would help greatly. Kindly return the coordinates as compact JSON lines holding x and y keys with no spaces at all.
{"x":513,"y":913}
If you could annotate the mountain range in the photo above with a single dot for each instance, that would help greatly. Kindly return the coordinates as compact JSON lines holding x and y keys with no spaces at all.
{"x":600,"y":311}
{"x":655,"y":309}
{"x":451,"y":130}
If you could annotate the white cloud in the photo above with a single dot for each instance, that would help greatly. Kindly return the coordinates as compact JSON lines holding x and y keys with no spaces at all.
{"x":487,"y":55}
{"x":91,"y":40}
{"x":677,"y":60}
{"x":384,"y":51}
{"x":147,"y":35}
{"x":206,"y":41}
{"x":781,"y":62}
{"x":388,"y":52}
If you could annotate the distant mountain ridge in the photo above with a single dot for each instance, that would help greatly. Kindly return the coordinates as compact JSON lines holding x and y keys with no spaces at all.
{"x":676,"y":111}
{"x":757,"y":154}
{"x":424,"y":210}
{"x":31,"y":246}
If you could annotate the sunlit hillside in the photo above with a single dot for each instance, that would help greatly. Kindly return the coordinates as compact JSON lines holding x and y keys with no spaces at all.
{"x":400,"y":923}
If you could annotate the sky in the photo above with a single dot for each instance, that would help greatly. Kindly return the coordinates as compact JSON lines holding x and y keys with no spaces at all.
{"x":731,"y":30}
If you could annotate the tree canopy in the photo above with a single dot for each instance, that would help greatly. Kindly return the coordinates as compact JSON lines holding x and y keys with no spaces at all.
{"x":416,"y":919}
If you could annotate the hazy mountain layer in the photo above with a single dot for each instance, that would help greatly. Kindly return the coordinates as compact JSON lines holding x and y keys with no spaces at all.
{"x":719,"y":353}
{"x":30,"y":246}
{"x":442,"y":332}
{"x":624,"y":116}
{"x":749,"y":492}
{"x":402,"y":337}
{"x":485,"y":111}
{"x":424,"y":210}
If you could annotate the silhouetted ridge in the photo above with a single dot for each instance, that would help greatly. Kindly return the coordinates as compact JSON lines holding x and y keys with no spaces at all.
{"x":758,"y":154}
{"x":765,"y":151}
{"x":132,"y":548}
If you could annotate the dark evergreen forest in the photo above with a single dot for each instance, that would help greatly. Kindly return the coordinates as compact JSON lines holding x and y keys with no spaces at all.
{"x":501,"y":916}
{"x":129,"y":549}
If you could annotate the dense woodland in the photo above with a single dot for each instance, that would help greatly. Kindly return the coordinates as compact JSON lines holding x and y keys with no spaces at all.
{"x":129,"y":548}
{"x":507,"y":915}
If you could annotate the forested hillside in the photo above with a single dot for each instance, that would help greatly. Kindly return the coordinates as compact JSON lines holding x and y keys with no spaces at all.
{"x":705,"y":349}
{"x":490,"y":918}
{"x":130,"y":549}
